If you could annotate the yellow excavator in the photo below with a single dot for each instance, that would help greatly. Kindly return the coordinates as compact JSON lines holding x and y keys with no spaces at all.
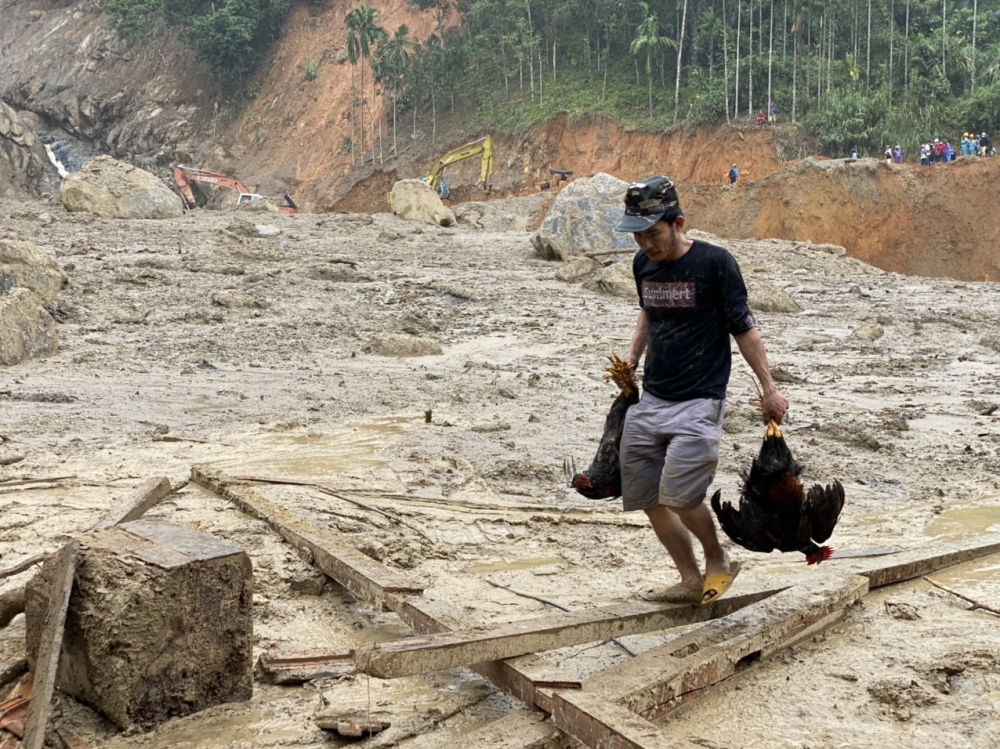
{"x":482,"y":146}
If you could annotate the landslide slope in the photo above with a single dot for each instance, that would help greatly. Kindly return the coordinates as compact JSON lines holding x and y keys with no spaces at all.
{"x":150,"y":102}
{"x":934,"y":221}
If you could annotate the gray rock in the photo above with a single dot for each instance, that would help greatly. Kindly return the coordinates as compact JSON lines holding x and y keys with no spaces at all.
{"x":415,"y":200}
{"x":113,"y":189}
{"x":395,"y":344}
{"x":582,"y":219}
{"x":26,"y":329}
{"x":24,"y":264}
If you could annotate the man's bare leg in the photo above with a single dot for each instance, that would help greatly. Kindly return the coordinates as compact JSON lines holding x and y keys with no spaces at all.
{"x":675,"y":538}
{"x":698,"y":520}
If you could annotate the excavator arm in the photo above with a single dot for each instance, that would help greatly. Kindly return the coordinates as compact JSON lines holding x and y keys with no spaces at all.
{"x":482,"y":146}
{"x":185,"y":175}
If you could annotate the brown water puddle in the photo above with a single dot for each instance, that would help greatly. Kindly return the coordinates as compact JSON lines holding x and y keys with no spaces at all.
{"x":355,"y":447}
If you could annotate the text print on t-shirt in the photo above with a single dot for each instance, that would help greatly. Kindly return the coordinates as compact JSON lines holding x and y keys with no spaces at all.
{"x":677,"y":294}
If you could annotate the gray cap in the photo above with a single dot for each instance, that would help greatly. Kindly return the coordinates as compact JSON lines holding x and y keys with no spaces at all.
{"x":648,"y":201}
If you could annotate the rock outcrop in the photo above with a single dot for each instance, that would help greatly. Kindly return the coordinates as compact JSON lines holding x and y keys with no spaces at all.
{"x":113,"y":189}
{"x":25,"y":169}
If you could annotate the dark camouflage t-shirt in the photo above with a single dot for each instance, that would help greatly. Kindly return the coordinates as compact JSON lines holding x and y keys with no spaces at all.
{"x":693,"y":305}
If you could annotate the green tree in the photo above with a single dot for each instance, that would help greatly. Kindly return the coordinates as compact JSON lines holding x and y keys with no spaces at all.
{"x":363,"y":33}
{"x":396,"y":60}
{"x":650,"y":42}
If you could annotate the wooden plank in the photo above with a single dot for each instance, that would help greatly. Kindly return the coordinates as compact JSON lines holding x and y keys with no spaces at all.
{"x":365,"y":578}
{"x":145,"y":496}
{"x":411,"y":656}
{"x":913,"y":564}
{"x":13,"y":670}
{"x":598,"y":722}
{"x":659,"y":680}
{"x":435,"y":616}
{"x":522,"y":729}
{"x":288,"y":667}
{"x":50,"y":645}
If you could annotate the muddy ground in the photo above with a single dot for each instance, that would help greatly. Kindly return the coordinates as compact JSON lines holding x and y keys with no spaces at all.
{"x":256,"y":356}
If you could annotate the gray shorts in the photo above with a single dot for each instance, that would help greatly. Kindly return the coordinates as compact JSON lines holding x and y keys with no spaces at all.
{"x":669,"y":451}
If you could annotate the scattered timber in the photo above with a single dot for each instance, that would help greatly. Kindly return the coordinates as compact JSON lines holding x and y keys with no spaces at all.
{"x":366,"y":579}
{"x":146,"y":496}
{"x":22,"y":566}
{"x":661,"y":679}
{"x":64,"y":563}
{"x":418,"y":655}
{"x":910,"y":565}
{"x":25,"y":482}
{"x":287,"y":667}
{"x":13,"y":720}
{"x":599,"y":722}
{"x":355,"y":726}
{"x":975,"y":604}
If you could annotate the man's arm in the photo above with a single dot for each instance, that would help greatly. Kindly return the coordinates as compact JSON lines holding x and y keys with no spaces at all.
{"x":774,"y":404}
{"x":638,"y":344}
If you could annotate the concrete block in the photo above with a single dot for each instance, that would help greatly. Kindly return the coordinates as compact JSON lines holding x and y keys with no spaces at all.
{"x":159,"y":624}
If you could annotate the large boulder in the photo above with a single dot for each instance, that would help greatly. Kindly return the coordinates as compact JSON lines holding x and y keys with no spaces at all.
{"x":24,"y":264}
{"x":415,"y":200}
{"x":27,"y":330}
{"x":28,"y":280}
{"x":113,"y":189}
{"x":25,"y":168}
{"x":582,"y":219}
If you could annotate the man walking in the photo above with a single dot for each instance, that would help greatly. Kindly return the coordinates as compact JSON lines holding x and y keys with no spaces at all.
{"x":692,"y":298}
{"x":734,"y":174}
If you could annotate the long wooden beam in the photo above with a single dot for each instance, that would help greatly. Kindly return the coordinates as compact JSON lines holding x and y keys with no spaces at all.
{"x":598,"y":722}
{"x":365,"y":578}
{"x":909,"y":565}
{"x":64,"y":563}
{"x":145,"y":496}
{"x":660,"y":679}
{"x":411,"y":656}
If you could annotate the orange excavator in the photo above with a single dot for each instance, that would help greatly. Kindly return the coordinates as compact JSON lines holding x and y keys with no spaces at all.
{"x":185,"y":175}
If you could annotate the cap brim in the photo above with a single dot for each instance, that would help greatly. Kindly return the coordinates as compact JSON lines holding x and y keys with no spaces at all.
{"x":635,"y":224}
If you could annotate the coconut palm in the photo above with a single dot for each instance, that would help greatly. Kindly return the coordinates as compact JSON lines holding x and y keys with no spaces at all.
{"x":396,"y":59}
{"x":363,"y":33}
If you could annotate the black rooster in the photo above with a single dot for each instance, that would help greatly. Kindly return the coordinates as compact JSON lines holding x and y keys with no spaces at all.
{"x":603,"y":480}
{"x":775,"y":512}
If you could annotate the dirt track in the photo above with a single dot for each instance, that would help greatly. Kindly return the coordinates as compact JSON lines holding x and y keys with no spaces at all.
{"x":253,"y":357}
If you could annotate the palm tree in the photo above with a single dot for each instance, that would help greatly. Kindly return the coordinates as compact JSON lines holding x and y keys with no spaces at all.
{"x":680,"y":50}
{"x":363,"y":32}
{"x":396,"y":57}
{"x":647,"y":39}
{"x":708,"y":29}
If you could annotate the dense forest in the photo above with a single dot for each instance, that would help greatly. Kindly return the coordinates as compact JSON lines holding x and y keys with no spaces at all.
{"x":853,"y":73}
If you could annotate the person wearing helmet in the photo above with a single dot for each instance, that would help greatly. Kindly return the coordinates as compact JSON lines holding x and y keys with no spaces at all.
{"x":692,"y":298}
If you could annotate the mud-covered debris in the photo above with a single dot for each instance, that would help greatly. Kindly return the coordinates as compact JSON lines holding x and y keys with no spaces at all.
{"x":902,"y":611}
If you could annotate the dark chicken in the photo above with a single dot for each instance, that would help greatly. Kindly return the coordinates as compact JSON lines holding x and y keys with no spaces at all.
{"x":603,"y":480}
{"x":775,"y":512}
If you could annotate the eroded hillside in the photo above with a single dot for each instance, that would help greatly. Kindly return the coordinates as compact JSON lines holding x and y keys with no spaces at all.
{"x":151,"y":103}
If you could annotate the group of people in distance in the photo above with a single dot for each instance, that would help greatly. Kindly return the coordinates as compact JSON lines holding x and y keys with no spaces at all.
{"x":973,"y":144}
